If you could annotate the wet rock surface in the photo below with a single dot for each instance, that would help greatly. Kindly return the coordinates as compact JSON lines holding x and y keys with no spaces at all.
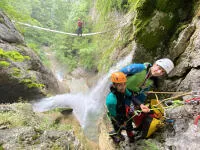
{"x":30,"y":135}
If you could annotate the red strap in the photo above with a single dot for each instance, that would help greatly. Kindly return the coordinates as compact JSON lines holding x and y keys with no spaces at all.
{"x":127,"y":110}
{"x":196,"y":120}
{"x":194,"y":99}
{"x":130,"y":133}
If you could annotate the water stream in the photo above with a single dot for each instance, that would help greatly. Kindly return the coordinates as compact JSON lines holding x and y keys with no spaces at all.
{"x":87,"y":107}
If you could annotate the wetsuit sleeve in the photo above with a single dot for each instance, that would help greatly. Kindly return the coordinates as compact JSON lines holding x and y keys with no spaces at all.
{"x":111,"y":103}
{"x":132,"y":69}
{"x":136,"y":101}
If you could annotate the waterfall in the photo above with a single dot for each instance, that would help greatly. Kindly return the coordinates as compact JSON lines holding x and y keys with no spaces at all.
{"x":86,"y":107}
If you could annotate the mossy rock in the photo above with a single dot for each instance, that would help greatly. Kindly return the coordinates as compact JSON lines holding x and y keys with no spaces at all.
{"x":1,"y":20}
{"x":154,"y":30}
{"x":67,"y":111}
{"x":4,"y":64}
{"x":144,"y":8}
{"x":64,"y":111}
{"x":13,"y":55}
{"x":156,"y":21}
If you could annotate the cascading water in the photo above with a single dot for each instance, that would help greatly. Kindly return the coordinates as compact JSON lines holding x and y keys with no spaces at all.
{"x":86,"y":107}
{"x":59,"y":75}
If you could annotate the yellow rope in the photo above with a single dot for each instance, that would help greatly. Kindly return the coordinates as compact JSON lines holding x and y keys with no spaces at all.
{"x":156,"y":97}
{"x":154,"y":92}
{"x":188,"y":93}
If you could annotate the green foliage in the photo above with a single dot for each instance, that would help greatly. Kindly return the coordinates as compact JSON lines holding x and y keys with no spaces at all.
{"x":31,"y":83}
{"x":13,"y":55}
{"x":23,"y":115}
{"x":40,"y":52}
{"x":4,"y":64}
{"x":47,"y":122}
{"x":105,"y":63}
{"x":144,"y":8}
{"x":87,"y":58}
{"x":15,"y":11}
{"x":107,"y":6}
{"x":1,"y":147}
{"x":150,"y":145}
{"x":132,"y":3}
{"x":13,"y":119}
{"x":1,"y":20}
{"x":56,"y":147}
{"x":58,"y":15}
{"x":58,"y":109}
{"x":16,"y":71}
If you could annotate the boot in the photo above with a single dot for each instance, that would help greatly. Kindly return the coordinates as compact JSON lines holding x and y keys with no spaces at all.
{"x":122,"y":138}
{"x":139,"y":135}
{"x":131,"y":139}
{"x":130,"y":136}
{"x":117,"y":137}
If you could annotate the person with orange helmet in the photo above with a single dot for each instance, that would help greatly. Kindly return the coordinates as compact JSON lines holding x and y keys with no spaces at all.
{"x":140,"y":79}
{"x":119,"y":103}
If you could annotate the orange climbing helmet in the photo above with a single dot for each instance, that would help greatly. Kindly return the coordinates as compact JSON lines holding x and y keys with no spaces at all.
{"x":118,"y":77}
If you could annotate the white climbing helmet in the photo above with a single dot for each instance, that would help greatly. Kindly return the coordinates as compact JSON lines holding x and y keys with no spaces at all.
{"x":166,"y":64}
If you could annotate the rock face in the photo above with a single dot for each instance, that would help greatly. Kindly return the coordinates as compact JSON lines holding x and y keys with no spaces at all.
{"x":28,"y":138}
{"x":22,"y":74}
{"x":155,"y":24}
{"x":7,"y":30}
{"x":29,"y":131}
{"x":156,"y":36}
{"x":185,"y":53}
{"x":185,"y":133}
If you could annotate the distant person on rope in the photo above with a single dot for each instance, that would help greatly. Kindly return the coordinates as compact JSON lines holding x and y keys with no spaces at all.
{"x":140,"y":79}
{"x":120,"y":105}
{"x":80,"y":25}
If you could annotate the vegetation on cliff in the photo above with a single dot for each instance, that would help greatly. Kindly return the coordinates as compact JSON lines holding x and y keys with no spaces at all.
{"x":50,"y":130}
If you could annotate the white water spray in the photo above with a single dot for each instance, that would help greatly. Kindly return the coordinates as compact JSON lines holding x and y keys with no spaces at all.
{"x":86,"y":107}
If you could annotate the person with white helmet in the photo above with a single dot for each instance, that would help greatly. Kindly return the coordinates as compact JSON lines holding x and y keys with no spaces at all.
{"x":142,"y":77}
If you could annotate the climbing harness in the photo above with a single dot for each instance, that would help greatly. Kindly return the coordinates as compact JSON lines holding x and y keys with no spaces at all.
{"x":158,"y":111}
{"x":158,"y":116}
{"x":195,"y":100}
{"x":196,"y":120}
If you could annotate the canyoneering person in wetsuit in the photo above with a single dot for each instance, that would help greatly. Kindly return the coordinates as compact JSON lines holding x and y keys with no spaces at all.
{"x":140,"y":79}
{"x":120,"y":105}
{"x":80,"y":26}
